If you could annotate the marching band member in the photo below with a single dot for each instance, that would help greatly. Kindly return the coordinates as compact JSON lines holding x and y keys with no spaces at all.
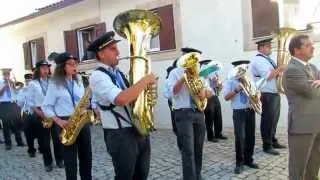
{"x":64,"y":93}
{"x":189,"y":123}
{"x":9,"y":111}
{"x":37,"y":90}
{"x":130,"y":152}
{"x":29,"y":129}
{"x":213,"y":116}
{"x":243,"y":122}
{"x":166,"y":91}
{"x":263,"y":66}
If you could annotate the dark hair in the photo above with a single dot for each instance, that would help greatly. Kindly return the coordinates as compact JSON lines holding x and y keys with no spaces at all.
{"x":36,"y":73}
{"x":296,"y":42}
{"x":59,"y":75}
{"x":170,"y":68}
{"x":260,"y":45}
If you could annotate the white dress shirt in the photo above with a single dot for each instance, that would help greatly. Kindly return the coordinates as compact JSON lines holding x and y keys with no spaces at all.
{"x":5,"y":97}
{"x":260,"y":67}
{"x":37,"y":91}
{"x":105,"y":92}
{"x":58,"y":100}
{"x":299,"y":60}
{"x":183,"y":98}
{"x":236,"y":103}
{"x":23,"y":99}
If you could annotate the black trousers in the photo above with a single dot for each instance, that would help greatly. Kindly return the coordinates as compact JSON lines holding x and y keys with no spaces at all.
{"x":269,"y":118}
{"x":57,"y":146}
{"x":82,"y":149}
{"x":244,"y":132}
{"x":31,"y":131}
{"x":11,"y":119}
{"x":174,"y":128}
{"x":44,"y":140}
{"x":213,"y":117}
{"x":191,"y":132}
{"x":130,"y":153}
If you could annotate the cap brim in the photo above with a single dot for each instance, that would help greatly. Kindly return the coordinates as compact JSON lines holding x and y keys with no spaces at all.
{"x":113,"y":41}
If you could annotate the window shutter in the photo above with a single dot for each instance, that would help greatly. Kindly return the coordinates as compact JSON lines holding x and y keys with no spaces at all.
{"x":166,"y":35}
{"x":100,"y":29}
{"x":265,"y":17}
{"x":71,"y":42}
{"x":41,"y":55}
{"x":27,"y":56}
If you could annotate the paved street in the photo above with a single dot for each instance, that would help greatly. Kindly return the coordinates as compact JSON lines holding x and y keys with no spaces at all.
{"x":218,"y":160}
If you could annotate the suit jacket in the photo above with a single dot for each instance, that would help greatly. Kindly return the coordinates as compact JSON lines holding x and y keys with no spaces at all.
{"x":303,"y":100}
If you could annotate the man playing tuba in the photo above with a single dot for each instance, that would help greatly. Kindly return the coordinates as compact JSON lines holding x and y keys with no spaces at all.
{"x":130,"y":151}
{"x":263,"y":66}
{"x":243,"y":121}
{"x":189,"y":118}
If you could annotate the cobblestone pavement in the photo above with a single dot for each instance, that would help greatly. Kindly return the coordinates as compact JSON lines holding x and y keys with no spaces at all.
{"x":218,"y":160}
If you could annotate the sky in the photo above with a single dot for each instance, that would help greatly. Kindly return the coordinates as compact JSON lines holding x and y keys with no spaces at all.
{"x":13,"y":9}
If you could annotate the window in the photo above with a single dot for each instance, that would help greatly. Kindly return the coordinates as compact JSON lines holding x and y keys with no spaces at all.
{"x":85,"y":36}
{"x":33,"y":52}
{"x":77,"y":40}
{"x":154,"y":44}
{"x":265,"y":17}
{"x":166,"y":38}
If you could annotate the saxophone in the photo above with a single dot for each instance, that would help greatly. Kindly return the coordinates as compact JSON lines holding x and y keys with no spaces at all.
{"x":139,"y":26}
{"x":78,"y":119}
{"x":47,"y":122}
{"x":190,"y":63}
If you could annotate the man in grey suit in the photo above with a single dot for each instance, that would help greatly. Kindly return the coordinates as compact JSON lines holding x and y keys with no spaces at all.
{"x":301,"y":83}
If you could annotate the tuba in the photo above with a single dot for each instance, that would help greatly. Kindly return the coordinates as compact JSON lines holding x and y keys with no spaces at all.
{"x":284,"y":36}
{"x":240,"y":72}
{"x":190,"y":63}
{"x":77,"y":120}
{"x":138,"y":27}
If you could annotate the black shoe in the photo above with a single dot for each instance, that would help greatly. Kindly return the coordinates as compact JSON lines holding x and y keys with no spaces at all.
{"x":1,"y":142}
{"x":49,"y":168}
{"x":8,"y":147}
{"x":237,"y":169}
{"x":214,"y":140}
{"x":221,"y":137}
{"x":271,"y":151}
{"x":33,"y":154}
{"x":60,"y":164}
{"x":278,"y":146}
{"x":252,"y":165}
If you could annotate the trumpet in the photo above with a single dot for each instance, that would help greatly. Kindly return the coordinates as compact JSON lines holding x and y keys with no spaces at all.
{"x":14,"y":85}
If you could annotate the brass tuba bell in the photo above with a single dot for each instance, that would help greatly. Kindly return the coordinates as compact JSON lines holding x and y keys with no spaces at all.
{"x":190,"y":63}
{"x":284,"y":36}
{"x":138,"y":27}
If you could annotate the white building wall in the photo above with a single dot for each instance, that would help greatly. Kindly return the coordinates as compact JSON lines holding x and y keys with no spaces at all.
{"x":214,"y":26}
